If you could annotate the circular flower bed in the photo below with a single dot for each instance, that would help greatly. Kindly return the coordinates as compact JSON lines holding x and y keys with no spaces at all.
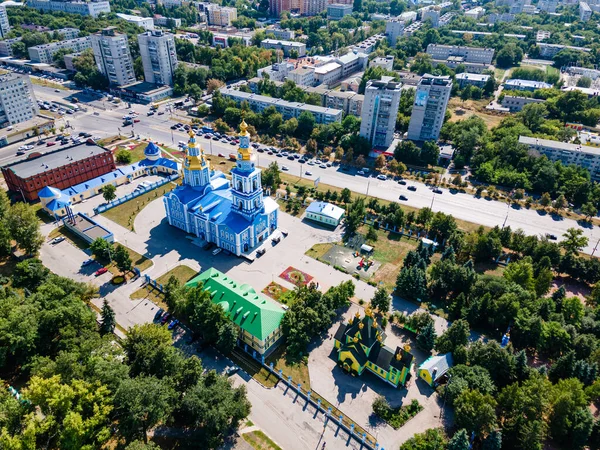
{"x":296,"y":277}
{"x":274,"y":290}
{"x":118,"y":279}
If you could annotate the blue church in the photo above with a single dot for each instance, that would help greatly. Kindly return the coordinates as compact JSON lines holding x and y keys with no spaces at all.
{"x":232,"y":214}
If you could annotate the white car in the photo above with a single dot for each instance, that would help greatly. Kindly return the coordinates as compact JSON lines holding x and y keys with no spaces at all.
{"x":381,"y":177}
{"x":285,"y":168}
{"x":216,"y":251}
{"x":308,"y":173}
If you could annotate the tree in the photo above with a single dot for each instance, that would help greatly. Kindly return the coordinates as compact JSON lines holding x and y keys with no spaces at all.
{"x":493,"y":441}
{"x":30,"y":274}
{"x":460,"y":441}
{"x":346,"y":196}
{"x":101,"y":249}
{"x":560,"y":203}
{"x":521,"y":273}
{"x":271,"y":176}
{"x":150,"y":351}
{"x":380,"y":162}
{"x":457,"y":335}
{"x":545,"y":199}
{"x":311,"y":146}
{"x":109,"y":192}
{"x":381,"y":300}
{"x":108,"y":321}
{"x":430,"y":153}
{"x":475,"y":411}
{"x":426,"y":338}
{"x":122,"y":259}
{"x":306,"y":124}
{"x":411,"y":283}
{"x":228,"y":334}
{"x":24,"y":227}
{"x":509,"y":55}
{"x":123,"y":157}
{"x":589,"y":210}
{"x":213,"y":84}
{"x":140,"y":404}
{"x":140,"y":445}
{"x":431,"y":439}
{"x":574,"y":241}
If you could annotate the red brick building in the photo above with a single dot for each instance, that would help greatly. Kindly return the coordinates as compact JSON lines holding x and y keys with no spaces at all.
{"x":60,"y":169}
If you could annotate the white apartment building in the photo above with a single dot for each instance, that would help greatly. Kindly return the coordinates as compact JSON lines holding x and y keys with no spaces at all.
{"x":379,"y":111}
{"x":4,"y":25}
{"x":567,"y":153}
{"x":159,"y":57}
{"x":277,"y":71}
{"x":475,"y":13}
{"x":547,"y":51}
{"x":369,"y":45}
{"x":161,"y":21}
{"x":278,"y":33}
{"x":516,"y":104}
{"x":91,"y":8}
{"x":221,"y":15}
{"x":499,"y":18}
{"x":258,"y":103}
{"x":408,"y":16}
{"x":394,"y":28}
{"x":548,"y":6}
{"x":327,"y":73}
{"x":17,"y":100}
{"x":429,"y":108}
{"x":468,"y":54}
{"x":67,"y":33}
{"x":585,"y":12}
{"x":44,"y":53}
{"x":285,"y":46}
{"x":6,"y":46}
{"x":147,"y":23}
{"x":314,"y":7}
{"x":432,"y":15}
{"x":113,"y":58}
{"x":385,"y":62}
{"x":302,"y":76}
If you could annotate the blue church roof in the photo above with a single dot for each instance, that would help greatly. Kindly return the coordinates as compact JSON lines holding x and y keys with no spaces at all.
{"x":59,"y":203}
{"x":152,"y":149}
{"x":163,"y":162}
{"x":48,"y":192}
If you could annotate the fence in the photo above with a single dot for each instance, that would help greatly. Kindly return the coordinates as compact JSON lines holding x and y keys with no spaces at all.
{"x":154,"y":284}
{"x":405,"y":232}
{"x":131,"y":196}
{"x":321,"y":405}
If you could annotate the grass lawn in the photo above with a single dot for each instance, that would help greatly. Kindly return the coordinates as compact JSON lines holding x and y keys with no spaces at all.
{"x":260,"y":441}
{"x":463,"y":110}
{"x":125,"y":213}
{"x":137,"y":260}
{"x":317,"y":251}
{"x":182,"y":273}
{"x":50,"y":84}
{"x":499,"y":73}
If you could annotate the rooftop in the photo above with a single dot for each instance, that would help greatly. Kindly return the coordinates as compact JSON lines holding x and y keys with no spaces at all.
{"x":472,"y":76}
{"x":559,"y":145}
{"x":326,"y":209}
{"x":253,"y":312}
{"x":53,"y":160}
{"x":280,"y":42}
{"x":527,"y":83}
{"x":326,"y":68}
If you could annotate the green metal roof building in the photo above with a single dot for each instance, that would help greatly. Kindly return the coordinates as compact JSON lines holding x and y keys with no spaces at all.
{"x":258,"y":317}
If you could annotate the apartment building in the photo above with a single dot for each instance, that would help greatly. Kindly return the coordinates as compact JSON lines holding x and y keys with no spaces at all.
{"x":278,"y":33}
{"x":379,"y":111}
{"x":548,"y":6}
{"x":278,"y":71}
{"x":302,"y":76}
{"x":44,"y":53}
{"x":285,"y":46}
{"x":516,"y":104}
{"x":394,"y":28}
{"x":547,"y":51}
{"x":468,"y":54}
{"x":222,"y":16}
{"x":169,"y":22}
{"x":471,"y":79}
{"x":278,"y":6}
{"x":525,"y":85}
{"x":369,"y":45}
{"x":314,"y":7}
{"x":429,"y":108}
{"x":159,"y":57}
{"x":385,"y":62}
{"x":91,"y":8}
{"x":147,"y":23}
{"x":327,"y":73}
{"x":258,"y":103}
{"x":4,"y":25}
{"x":17,"y":100}
{"x":433,"y":16}
{"x":565,"y":152}
{"x":475,"y":13}
{"x":585,"y":12}
{"x":337,"y":11}
{"x":112,"y":55}
{"x":500,"y":18}
{"x":6,"y":46}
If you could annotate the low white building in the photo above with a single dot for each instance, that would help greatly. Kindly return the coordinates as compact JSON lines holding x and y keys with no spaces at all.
{"x":285,"y":46}
{"x":516,"y":104}
{"x":147,"y":23}
{"x":325,"y":213}
{"x":471,"y":79}
{"x":475,"y":13}
{"x":328,"y":73}
{"x":385,"y":62}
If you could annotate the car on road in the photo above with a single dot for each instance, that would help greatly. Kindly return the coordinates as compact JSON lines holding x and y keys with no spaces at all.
{"x":25,"y":147}
{"x":160,"y":113}
{"x":323,"y":166}
{"x":311,"y":163}
{"x":174,"y":127}
{"x":438,"y":191}
{"x":232,"y":143}
{"x":221,"y":155}
{"x":158,"y":313}
{"x":136,"y":120}
{"x":290,"y":157}
{"x":100,"y":271}
{"x":173,"y":324}
{"x":150,"y":113}
{"x":361,"y":172}
{"x":412,"y":188}
{"x":308,"y":173}
{"x":165,"y":318}
{"x":87,"y":262}
{"x":403,"y":197}
{"x":207,"y":136}
{"x":382,"y":177}
{"x":402,"y":182}
{"x":260,"y":150}
{"x":285,"y":168}
{"x":284,"y":232}
{"x":56,"y":90}
{"x":57,"y":240}
{"x":231,"y":370}
{"x":269,"y":152}
{"x":50,"y":144}
{"x":20,"y":152}
{"x":552,"y":237}
{"x":255,"y":145}
{"x":328,"y":164}
{"x":215,"y":138}
{"x":261,"y":251}
{"x":216,"y":251}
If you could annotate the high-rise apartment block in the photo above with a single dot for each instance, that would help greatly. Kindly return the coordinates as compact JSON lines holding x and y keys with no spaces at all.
{"x":4,"y":25}
{"x":379,"y":111}
{"x":17,"y":100}
{"x":585,"y":12}
{"x":429,"y":108}
{"x":113,"y":58}
{"x":337,"y":11}
{"x":89,"y":8}
{"x":303,"y":7}
{"x":221,"y":16}
{"x":159,"y":58}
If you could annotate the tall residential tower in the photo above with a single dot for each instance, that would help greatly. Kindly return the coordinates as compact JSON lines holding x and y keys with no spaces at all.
{"x":159,"y":58}
{"x":429,"y":108}
{"x":112,"y":55}
{"x":379,"y":111}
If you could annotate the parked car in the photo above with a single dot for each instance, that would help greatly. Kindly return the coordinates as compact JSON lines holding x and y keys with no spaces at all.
{"x":381,"y":177}
{"x":284,"y":232}
{"x":438,"y":191}
{"x":285,"y":168}
{"x":231,"y":370}
{"x":158,"y":313}
{"x":136,"y":120}
{"x":261,"y":251}
{"x":165,"y":318}
{"x":216,"y":251}
{"x":552,"y":237}
{"x":50,"y":144}
{"x":360,"y":172}
{"x":402,"y":182}
{"x":174,"y":127}
{"x":403,"y":197}
{"x":173,"y":324}
{"x":57,"y":240}
{"x":323,"y":166}
{"x":412,"y":188}
{"x":87,"y":262}
{"x":100,"y":271}
{"x":308,"y":173}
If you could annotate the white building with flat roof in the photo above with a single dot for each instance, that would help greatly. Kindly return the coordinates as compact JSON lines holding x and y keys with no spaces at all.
{"x":147,"y":23}
{"x":469,"y":54}
{"x":89,"y":8}
{"x":285,"y":46}
{"x":429,"y":108}
{"x":159,"y":57}
{"x":475,"y":13}
{"x":525,"y":85}
{"x":516,"y":104}
{"x":471,"y":79}
{"x":385,"y":62}
{"x":380,"y":111}
{"x":112,"y":55}
{"x":328,"y":73}
{"x":547,"y":51}
{"x":302,"y":76}
{"x":17,"y":100}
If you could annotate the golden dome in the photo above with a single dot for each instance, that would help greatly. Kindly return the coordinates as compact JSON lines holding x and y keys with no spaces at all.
{"x":361,"y":325}
{"x":355,"y":340}
{"x":357,"y":315}
{"x":368,"y":311}
{"x":243,"y":128}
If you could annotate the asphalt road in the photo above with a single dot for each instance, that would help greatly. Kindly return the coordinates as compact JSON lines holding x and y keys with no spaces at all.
{"x":461,"y":206}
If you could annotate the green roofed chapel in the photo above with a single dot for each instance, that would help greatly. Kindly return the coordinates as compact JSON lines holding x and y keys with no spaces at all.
{"x":258,"y":317}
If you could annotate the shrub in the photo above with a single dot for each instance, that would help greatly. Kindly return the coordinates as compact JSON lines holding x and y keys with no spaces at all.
{"x":123,"y":157}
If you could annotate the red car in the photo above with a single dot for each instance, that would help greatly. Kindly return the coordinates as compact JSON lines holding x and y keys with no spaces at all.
{"x":100,"y":271}
{"x":136,"y":120}
{"x":50,"y":144}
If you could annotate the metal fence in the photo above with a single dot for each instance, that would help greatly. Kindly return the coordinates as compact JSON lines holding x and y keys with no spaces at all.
{"x":135,"y":194}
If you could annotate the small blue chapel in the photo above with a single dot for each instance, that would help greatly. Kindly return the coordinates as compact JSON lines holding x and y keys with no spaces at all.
{"x":232,"y":214}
